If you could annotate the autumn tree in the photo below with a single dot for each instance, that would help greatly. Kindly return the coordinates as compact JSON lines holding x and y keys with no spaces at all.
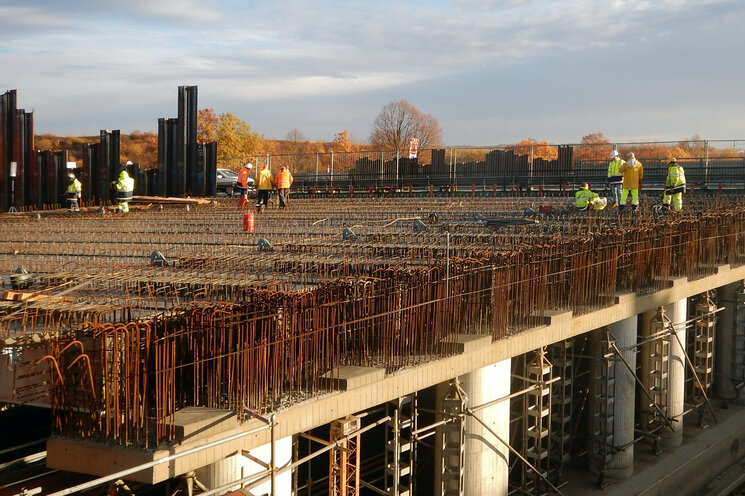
{"x":342,"y":142}
{"x":400,"y":121}
{"x":141,"y":148}
{"x":538,"y":149}
{"x":207,"y":124}
{"x":235,"y":138}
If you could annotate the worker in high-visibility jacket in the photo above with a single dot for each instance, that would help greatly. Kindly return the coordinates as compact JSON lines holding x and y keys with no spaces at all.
{"x":74,"y":192}
{"x":633,"y":173}
{"x":243,"y":179}
{"x":124,"y":186}
{"x":264,"y":185}
{"x":283,"y":181}
{"x":585,"y":198}
{"x":674,"y":185}
{"x":615,"y":178}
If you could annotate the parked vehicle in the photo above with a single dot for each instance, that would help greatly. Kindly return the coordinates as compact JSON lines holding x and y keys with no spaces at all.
{"x":227,"y":182}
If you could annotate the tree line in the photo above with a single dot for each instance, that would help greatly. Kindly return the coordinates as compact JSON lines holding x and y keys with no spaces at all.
{"x":392,"y":129}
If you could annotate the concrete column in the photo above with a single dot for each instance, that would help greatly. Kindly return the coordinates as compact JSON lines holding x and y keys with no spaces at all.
{"x":677,"y":312}
{"x":237,"y":466}
{"x":724,"y":341}
{"x":486,"y":458}
{"x":622,"y":463}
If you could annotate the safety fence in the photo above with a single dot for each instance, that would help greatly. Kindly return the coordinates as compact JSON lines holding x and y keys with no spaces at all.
{"x":709,"y":164}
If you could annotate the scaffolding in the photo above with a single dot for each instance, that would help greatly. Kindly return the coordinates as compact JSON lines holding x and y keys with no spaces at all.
{"x":344,"y":459}
{"x":562,"y":393}
{"x":702,"y":350}
{"x":738,"y":338}
{"x":602,"y":405}
{"x":657,"y":376}
{"x":537,"y":422}
{"x":453,"y":459}
{"x":400,"y":446}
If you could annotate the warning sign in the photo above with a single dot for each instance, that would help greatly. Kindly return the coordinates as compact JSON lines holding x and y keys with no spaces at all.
{"x":413,"y":147}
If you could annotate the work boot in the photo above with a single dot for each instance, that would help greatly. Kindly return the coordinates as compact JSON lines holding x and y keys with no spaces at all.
{"x":621,"y":207}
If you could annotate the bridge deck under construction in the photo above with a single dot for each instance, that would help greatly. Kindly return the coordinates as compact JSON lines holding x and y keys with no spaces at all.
{"x":275,"y":321}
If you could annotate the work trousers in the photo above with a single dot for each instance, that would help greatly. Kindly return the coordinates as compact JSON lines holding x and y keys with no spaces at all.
{"x":634,"y":196}
{"x":615,"y":192}
{"x":677,"y":200}
{"x":284,"y":197}
{"x":262,"y":198}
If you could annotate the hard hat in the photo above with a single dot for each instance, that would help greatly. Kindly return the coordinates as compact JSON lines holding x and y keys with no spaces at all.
{"x":129,"y":162}
{"x":672,"y":161}
{"x":249,"y":166}
{"x":614,"y":154}
{"x":71,"y":175}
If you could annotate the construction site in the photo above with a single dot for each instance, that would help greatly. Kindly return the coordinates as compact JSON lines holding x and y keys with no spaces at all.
{"x":373,"y":345}
{"x":435,"y":325}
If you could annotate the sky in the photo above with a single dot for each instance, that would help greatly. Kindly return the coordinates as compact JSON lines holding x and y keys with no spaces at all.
{"x":490,"y":71}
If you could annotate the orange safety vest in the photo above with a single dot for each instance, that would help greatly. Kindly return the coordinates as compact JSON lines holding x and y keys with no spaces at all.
{"x":243,"y":176}
{"x":284,"y":179}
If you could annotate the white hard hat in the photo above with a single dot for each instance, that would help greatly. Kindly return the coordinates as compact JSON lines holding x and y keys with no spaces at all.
{"x":249,"y":166}
{"x":614,"y":154}
{"x":129,"y":162}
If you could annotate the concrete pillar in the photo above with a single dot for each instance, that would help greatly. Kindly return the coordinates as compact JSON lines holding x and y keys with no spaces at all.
{"x":724,"y":341}
{"x":622,"y":463}
{"x":677,"y":312}
{"x":237,"y":466}
{"x":486,"y":458}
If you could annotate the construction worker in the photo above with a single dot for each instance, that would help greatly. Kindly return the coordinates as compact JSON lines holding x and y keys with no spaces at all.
{"x":675,"y":184}
{"x":74,"y":192}
{"x":615,"y":178}
{"x":264,"y":185}
{"x":585,"y":198}
{"x":633,"y":172}
{"x":283,"y":181}
{"x":243,"y":177}
{"x":124,"y":187}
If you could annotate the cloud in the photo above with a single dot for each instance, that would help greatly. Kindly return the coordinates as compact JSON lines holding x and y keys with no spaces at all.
{"x":130,"y":56}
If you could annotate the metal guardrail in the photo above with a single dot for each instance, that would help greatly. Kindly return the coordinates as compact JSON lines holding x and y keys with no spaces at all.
{"x":714,"y":164}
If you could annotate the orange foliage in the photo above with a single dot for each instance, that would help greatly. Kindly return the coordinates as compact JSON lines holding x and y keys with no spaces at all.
{"x":342,"y":142}
{"x":540,"y":149}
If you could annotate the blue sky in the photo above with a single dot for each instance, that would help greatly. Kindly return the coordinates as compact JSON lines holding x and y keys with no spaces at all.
{"x":490,"y":71}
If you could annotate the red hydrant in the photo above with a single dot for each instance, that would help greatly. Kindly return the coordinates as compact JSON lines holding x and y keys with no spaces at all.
{"x":248,"y":221}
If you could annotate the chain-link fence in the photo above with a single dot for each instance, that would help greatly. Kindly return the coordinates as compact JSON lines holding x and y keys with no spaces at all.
{"x":542,"y":168}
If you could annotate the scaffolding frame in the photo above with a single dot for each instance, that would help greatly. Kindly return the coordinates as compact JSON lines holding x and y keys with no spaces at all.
{"x":561,"y":355}
{"x":400,"y":446}
{"x":536,"y":430}
{"x":453,"y":459}
{"x":602,"y":384}
{"x":344,"y":458}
